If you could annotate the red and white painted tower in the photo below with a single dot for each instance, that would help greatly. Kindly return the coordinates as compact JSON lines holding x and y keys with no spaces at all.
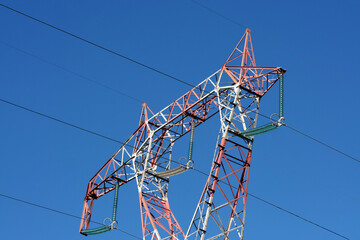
{"x":234,"y":92}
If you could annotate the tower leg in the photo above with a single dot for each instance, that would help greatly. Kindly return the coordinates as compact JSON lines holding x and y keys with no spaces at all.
{"x":221,"y":210}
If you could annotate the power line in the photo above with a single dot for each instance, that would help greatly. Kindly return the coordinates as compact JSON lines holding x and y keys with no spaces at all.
{"x":280,"y":208}
{"x":160,"y":72}
{"x":298,"y":216}
{"x":60,"y":121}
{"x":61,"y":212}
{"x":117,"y":141}
{"x":136,"y":99}
{"x":70,"y":71}
{"x":315,"y":139}
{"x":96,"y":45}
{"x":322,"y":143}
{"x":287,"y":48}
{"x":115,"y":90}
{"x":218,"y":14}
{"x":156,"y":70}
{"x":114,"y":140}
{"x":252,"y":195}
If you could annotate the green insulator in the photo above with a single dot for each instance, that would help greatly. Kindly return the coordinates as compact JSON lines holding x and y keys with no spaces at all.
{"x":270,"y":126}
{"x":115,"y":201}
{"x":259,"y":130}
{"x":191,"y":140}
{"x":105,"y":228}
{"x":281,"y":97}
{"x":265,"y":130}
{"x":96,"y":230}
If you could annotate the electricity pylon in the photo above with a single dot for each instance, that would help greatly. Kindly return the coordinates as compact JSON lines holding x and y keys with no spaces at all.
{"x":234,"y":92}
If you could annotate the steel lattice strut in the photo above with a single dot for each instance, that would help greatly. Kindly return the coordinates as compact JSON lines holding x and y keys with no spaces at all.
{"x":234,"y":92}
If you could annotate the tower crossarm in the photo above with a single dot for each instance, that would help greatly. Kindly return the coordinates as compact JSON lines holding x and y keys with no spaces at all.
{"x":198,"y":104}
{"x":170,"y":123}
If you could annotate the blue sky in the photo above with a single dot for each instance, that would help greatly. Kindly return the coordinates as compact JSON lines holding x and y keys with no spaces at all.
{"x":50,"y":164}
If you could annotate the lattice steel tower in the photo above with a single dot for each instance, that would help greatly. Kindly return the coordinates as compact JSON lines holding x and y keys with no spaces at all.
{"x":234,"y":92}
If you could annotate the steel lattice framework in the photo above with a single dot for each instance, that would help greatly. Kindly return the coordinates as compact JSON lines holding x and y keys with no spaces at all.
{"x":234,"y":92}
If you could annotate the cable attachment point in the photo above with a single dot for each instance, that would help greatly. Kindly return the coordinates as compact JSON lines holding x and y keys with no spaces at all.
{"x":112,"y":224}
{"x":277,"y":120}
{"x":183,"y":161}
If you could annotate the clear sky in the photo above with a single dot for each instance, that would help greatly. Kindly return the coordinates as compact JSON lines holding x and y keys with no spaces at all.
{"x":48,"y":163}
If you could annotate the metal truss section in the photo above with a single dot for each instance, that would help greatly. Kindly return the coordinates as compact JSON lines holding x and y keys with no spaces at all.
{"x":148,"y":151}
{"x":222,"y":215}
{"x":221,"y":210}
{"x":241,"y":68}
{"x":234,"y":92}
